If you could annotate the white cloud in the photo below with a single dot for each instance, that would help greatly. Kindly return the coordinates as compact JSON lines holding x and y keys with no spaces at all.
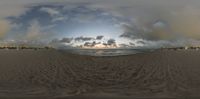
{"x":34,"y":31}
{"x":51,"y":11}
{"x":59,"y":19}
{"x":12,"y":8}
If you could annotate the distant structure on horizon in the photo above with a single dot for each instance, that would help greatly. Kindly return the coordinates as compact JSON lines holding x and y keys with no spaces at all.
{"x":24,"y":47}
{"x":183,"y":48}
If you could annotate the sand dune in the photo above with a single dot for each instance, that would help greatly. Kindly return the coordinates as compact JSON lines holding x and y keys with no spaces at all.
{"x":57,"y":74}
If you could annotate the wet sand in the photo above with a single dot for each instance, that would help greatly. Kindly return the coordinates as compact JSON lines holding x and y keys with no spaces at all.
{"x":29,"y":74}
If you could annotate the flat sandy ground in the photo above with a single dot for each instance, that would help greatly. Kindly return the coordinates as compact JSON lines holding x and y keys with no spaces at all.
{"x":47,"y":74}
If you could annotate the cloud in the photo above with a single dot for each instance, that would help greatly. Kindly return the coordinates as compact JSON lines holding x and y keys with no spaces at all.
{"x":12,"y":8}
{"x":78,"y":39}
{"x":55,"y":41}
{"x":156,"y":20}
{"x":110,"y":43}
{"x":99,"y":37}
{"x":56,"y":19}
{"x":88,"y":44}
{"x":155,"y":30}
{"x":66,"y":40}
{"x":170,"y":25}
{"x":186,"y":22}
{"x":131,"y":32}
{"x":131,"y":44}
{"x":63,"y":40}
{"x":34,"y":31}
{"x":124,"y":46}
{"x":141,"y":42}
{"x":64,"y":43}
{"x":50,"y":11}
{"x":153,"y":21}
{"x":91,"y":44}
{"x":4,"y":28}
{"x":19,"y":7}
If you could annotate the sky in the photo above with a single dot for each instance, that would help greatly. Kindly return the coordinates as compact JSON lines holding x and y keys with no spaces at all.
{"x":100,"y":23}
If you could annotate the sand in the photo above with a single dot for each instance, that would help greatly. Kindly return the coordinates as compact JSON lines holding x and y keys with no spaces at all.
{"x":48,"y":74}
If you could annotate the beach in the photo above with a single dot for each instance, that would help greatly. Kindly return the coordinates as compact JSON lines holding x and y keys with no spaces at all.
{"x":57,"y":74}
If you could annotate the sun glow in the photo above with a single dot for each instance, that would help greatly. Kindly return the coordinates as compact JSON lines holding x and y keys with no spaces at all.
{"x":100,"y":46}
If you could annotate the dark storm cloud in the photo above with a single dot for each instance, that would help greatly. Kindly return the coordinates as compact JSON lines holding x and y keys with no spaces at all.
{"x":82,"y":38}
{"x":110,"y":43}
{"x":66,"y":40}
{"x":88,"y":44}
{"x":132,"y":44}
{"x":99,"y":37}
{"x":78,"y":39}
{"x":91,"y":44}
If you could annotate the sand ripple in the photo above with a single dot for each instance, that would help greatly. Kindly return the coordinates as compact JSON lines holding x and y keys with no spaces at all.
{"x":54,"y":73}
